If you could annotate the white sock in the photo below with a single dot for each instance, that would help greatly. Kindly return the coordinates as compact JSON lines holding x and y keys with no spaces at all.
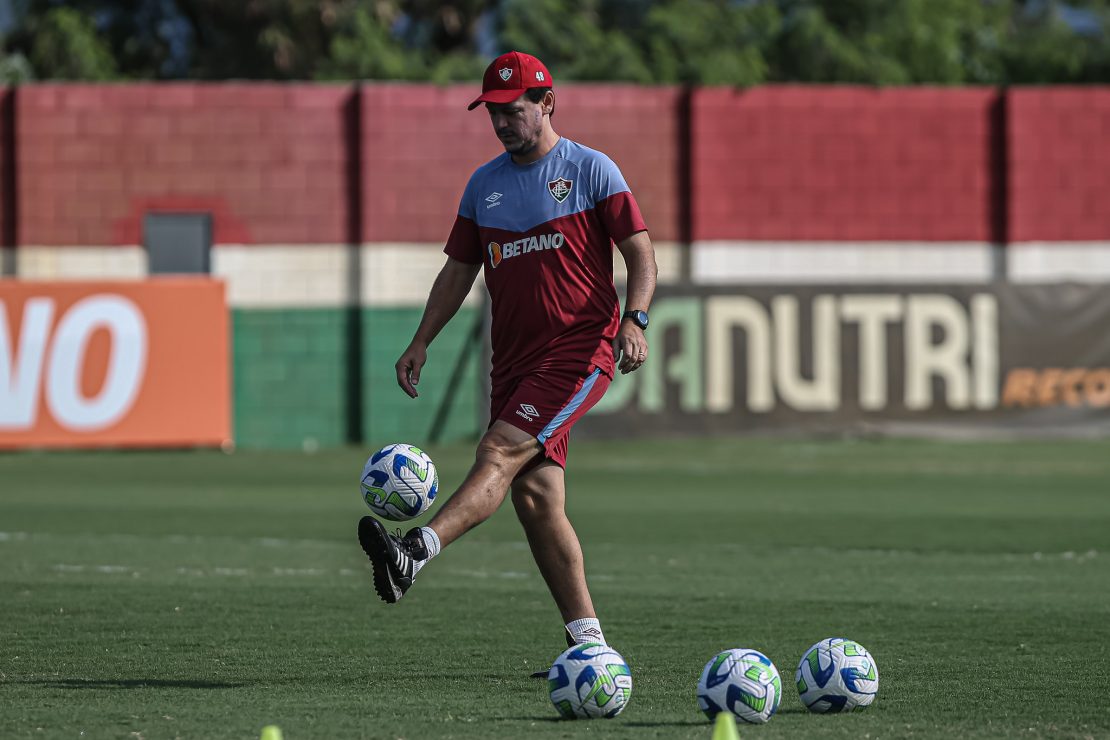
{"x":586,"y":630}
{"x":431,"y":542}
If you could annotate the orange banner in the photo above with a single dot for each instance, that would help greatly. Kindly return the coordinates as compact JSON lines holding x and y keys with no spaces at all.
{"x":121,"y":364}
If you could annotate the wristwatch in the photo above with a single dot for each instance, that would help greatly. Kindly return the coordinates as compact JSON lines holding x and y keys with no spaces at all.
{"x":639,"y":318}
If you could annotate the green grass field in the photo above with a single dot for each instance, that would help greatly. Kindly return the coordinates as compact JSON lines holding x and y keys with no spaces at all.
{"x":199,"y":595}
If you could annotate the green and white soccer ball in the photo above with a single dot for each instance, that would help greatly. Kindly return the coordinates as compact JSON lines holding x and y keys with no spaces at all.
{"x":588,"y":681}
{"x":837,"y":675}
{"x":742,"y":681}
{"x":399,"y":482}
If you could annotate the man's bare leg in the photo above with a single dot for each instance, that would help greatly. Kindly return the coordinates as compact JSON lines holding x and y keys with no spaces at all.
{"x":503,"y":451}
{"x":539,"y":497}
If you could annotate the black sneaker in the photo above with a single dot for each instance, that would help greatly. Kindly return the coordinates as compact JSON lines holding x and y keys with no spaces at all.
{"x":393,"y":557}
{"x":570,"y":643}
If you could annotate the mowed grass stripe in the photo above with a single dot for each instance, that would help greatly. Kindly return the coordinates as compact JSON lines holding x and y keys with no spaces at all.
{"x":205,"y":595}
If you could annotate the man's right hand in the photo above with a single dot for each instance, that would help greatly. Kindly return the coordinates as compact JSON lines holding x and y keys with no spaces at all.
{"x":408,"y":367}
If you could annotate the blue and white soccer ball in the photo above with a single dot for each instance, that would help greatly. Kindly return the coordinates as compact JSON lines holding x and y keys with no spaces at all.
{"x":589,"y":680}
{"x":837,"y":675}
{"x":399,"y":482}
{"x":742,"y":681}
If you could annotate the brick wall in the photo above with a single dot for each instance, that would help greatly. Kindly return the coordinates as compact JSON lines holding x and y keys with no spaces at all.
{"x":1058,"y":147}
{"x":785,"y":163}
{"x":7,"y":180}
{"x":268,"y":160}
{"x":841,"y":163}
{"x":420,"y":145}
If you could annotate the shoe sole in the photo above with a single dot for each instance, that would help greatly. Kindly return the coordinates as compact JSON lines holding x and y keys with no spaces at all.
{"x":375,"y":543}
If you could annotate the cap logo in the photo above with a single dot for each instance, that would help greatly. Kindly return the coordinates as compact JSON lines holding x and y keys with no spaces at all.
{"x":539,"y":76}
{"x":560,"y":188}
{"x":505,"y":73}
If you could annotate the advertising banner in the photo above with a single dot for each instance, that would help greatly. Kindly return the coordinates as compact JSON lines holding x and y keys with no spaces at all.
{"x":121,"y":364}
{"x":890,"y":359}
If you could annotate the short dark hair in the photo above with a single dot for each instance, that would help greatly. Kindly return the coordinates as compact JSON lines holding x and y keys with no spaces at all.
{"x":535,"y":95}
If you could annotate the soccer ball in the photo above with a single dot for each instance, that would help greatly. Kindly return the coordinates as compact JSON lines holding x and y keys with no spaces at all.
{"x":589,"y":680}
{"x":399,"y":482}
{"x":837,"y":675}
{"x":742,"y":681}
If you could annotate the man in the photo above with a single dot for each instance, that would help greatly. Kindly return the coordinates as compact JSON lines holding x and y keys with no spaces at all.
{"x":540,"y":220}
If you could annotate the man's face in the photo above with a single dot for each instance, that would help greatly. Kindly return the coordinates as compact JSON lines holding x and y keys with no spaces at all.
{"x":518,"y":124}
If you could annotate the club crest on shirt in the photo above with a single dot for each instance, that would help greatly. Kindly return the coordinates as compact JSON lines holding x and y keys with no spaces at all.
{"x":560,"y":188}
{"x":505,"y":73}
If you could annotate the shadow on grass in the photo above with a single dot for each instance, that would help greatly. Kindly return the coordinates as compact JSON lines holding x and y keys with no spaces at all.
{"x":616,"y":721}
{"x":135,"y":683}
{"x":670,"y":723}
{"x":707,"y":723}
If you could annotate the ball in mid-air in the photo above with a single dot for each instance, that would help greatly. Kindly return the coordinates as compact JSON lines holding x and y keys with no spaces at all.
{"x":741,"y":681}
{"x":837,"y":675}
{"x":399,"y":482}
{"x":588,"y":681}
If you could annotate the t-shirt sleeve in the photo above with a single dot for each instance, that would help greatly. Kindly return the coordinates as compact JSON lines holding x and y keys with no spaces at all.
{"x":465,"y":243}
{"x":613,"y":201}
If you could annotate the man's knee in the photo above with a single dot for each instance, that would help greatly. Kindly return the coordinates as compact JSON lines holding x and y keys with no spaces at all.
{"x":533,"y":501}
{"x":499,"y":449}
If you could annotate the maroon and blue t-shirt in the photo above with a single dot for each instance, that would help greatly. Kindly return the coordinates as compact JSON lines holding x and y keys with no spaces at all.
{"x":544,"y":234}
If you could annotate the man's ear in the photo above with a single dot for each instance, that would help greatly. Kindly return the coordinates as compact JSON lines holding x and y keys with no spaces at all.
{"x":549,"y":102}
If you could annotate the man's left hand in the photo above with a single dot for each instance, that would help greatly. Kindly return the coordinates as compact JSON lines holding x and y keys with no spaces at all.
{"x":632,"y":345}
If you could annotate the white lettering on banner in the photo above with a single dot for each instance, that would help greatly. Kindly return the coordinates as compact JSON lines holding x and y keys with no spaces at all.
{"x":823,"y":392}
{"x":872,"y":313}
{"x":20,"y":381}
{"x":942,"y":340}
{"x":19,"y":390}
{"x":722,"y":313}
{"x":984,"y":349}
{"x":946,"y":359}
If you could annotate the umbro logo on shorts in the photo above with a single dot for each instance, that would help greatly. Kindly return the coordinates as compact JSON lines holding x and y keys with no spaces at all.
{"x":528,"y":412}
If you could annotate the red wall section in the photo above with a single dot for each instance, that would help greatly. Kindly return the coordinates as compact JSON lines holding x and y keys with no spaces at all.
{"x":267,"y":159}
{"x":843,"y":163}
{"x":638,"y":127}
{"x":7,"y":184}
{"x":1058,"y":146}
{"x":420,"y":145}
{"x":271,"y":161}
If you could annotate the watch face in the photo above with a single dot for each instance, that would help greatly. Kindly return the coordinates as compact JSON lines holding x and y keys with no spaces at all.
{"x":641,"y":319}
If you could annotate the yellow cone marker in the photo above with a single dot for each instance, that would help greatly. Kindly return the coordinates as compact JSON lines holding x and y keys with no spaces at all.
{"x":273,"y":732}
{"x":724,"y":729}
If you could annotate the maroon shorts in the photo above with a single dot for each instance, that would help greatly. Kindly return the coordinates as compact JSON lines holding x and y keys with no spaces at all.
{"x":547,"y":403}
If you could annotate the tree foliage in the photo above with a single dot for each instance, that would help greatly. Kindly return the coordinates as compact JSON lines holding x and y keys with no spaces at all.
{"x":729,"y":42}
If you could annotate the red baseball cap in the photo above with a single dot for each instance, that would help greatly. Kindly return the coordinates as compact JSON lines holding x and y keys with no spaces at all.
{"x":509,"y":75}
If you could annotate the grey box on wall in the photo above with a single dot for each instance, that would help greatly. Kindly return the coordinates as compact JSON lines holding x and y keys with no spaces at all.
{"x":178,"y":243}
